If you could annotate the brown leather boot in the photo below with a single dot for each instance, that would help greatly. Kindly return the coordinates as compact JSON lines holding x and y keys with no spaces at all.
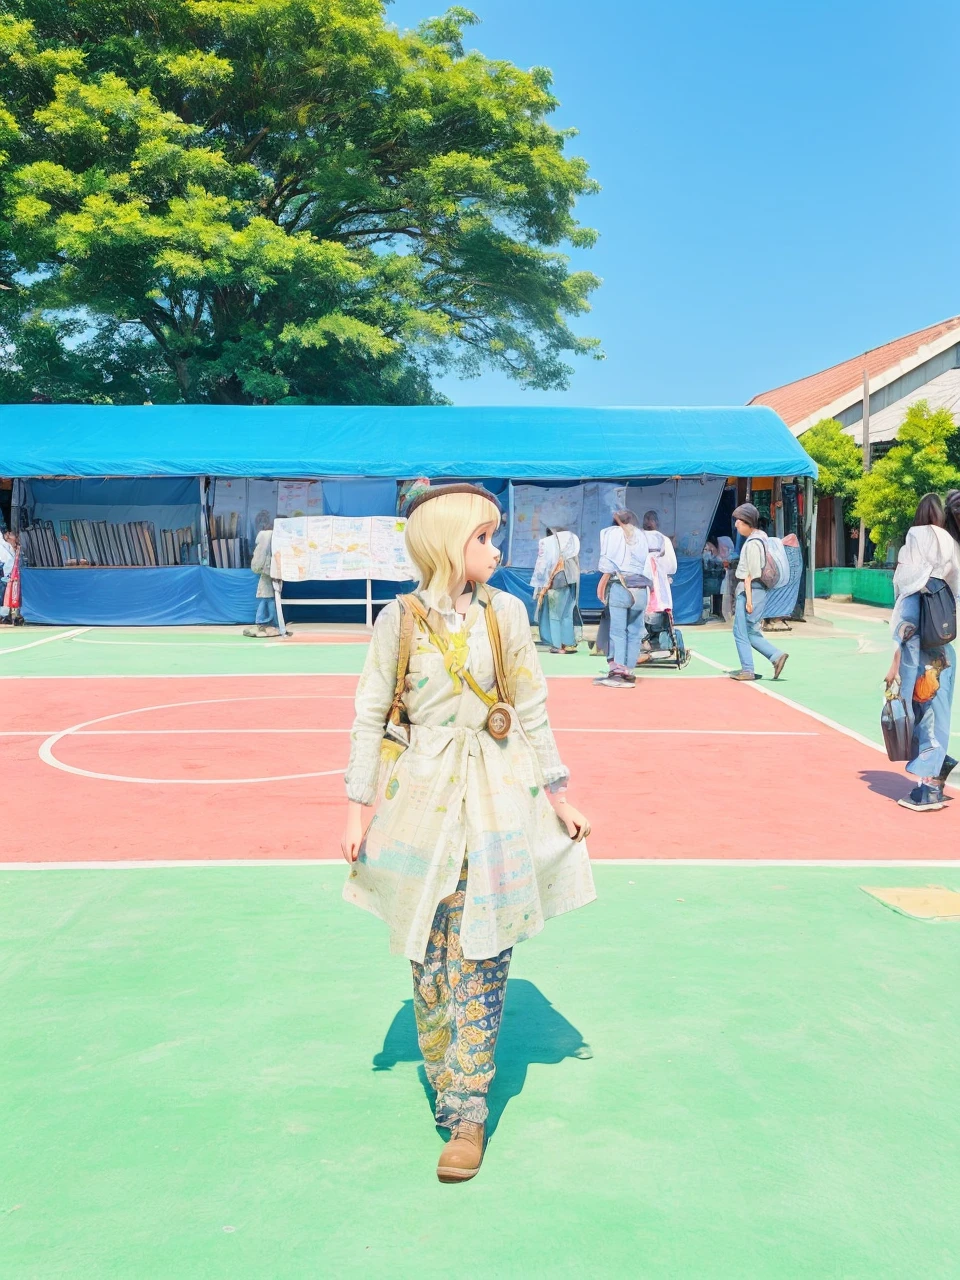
{"x":462,"y":1155}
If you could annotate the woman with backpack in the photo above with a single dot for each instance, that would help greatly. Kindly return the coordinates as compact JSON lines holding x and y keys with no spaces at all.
{"x":751,"y":597}
{"x":927,"y":579}
{"x":556,"y":586}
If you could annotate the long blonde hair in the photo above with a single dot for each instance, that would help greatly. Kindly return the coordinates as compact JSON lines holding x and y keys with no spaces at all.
{"x":438,"y":532}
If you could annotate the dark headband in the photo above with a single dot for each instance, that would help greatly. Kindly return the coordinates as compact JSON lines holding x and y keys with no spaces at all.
{"x":441,"y":491}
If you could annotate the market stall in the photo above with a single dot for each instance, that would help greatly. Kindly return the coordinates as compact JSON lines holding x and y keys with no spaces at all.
{"x":146,"y":515}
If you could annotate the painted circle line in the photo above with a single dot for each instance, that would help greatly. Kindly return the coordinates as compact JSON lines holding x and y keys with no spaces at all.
{"x":45,"y":750}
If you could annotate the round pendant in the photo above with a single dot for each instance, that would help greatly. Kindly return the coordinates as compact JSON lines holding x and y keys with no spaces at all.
{"x":499,"y":721}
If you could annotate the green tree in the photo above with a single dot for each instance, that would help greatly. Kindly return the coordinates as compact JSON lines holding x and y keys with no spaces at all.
{"x":918,"y":463}
{"x":278,"y":200}
{"x":839,"y":460}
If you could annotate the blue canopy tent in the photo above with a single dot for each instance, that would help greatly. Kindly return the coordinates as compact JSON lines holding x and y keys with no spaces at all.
{"x":552,"y":445}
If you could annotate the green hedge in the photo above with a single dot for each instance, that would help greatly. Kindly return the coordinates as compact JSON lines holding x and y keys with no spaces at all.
{"x":869,"y":586}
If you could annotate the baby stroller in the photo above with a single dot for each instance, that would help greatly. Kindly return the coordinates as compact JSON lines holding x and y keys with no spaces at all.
{"x":664,"y":645}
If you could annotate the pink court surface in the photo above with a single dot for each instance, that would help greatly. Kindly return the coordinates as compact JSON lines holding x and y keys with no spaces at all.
{"x":227,"y":767}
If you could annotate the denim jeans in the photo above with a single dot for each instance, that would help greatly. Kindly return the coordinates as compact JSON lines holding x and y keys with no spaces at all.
{"x":931,"y":720}
{"x":558,"y":608}
{"x":746,"y":629}
{"x":266,"y":612}
{"x":626,"y":626}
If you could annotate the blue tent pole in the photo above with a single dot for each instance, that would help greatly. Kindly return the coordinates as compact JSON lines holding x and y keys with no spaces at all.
{"x":509,"y":522}
{"x":204,"y":522}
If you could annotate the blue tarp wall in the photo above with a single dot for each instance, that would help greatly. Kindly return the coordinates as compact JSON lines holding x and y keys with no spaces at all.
{"x":192,"y":595}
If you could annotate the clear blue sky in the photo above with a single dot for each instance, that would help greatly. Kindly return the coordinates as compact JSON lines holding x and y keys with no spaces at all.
{"x":780,"y":183}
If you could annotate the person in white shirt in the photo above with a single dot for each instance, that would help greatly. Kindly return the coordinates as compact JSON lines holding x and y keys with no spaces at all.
{"x":929,"y":560}
{"x":624,"y":588}
{"x":662,"y":567}
{"x":8,"y":554}
{"x":751,"y":598}
{"x":556,"y":587}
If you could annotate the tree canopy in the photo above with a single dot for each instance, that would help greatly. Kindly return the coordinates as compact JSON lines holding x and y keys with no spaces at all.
{"x":276,"y":200}
{"x":838,"y":458}
{"x":917,"y":464}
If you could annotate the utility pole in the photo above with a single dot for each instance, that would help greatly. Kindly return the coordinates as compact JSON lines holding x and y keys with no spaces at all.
{"x":861,"y":546}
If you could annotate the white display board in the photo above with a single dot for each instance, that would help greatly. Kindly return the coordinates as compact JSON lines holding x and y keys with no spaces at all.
{"x":339,"y":548}
{"x":300,"y":498}
{"x":584,"y":509}
{"x":685,"y":507}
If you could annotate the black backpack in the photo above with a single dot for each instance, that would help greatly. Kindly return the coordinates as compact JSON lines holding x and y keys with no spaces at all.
{"x":938,"y":615}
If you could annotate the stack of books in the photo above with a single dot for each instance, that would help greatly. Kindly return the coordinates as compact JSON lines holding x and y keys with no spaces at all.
{"x":83,"y":543}
{"x":228,"y":550}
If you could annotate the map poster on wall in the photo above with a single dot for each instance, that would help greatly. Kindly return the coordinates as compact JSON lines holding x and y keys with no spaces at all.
{"x":685,"y":508}
{"x":300,"y":498}
{"x":337,"y":548}
{"x":584,"y":509}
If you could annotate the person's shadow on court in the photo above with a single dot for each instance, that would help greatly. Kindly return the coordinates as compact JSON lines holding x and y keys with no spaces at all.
{"x":532,"y":1031}
{"x":886,"y":783}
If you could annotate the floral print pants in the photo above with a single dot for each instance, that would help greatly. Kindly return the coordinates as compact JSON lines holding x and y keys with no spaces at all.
{"x":458,"y":1004}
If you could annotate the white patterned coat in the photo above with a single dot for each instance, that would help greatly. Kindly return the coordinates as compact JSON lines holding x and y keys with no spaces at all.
{"x":458,"y":793}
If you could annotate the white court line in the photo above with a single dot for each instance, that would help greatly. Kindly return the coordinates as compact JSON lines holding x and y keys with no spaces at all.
{"x":725,"y":733}
{"x":137,"y":733}
{"x":782,"y":864}
{"x":63,"y":635}
{"x":201,"y":675}
{"x":760,"y":687}
{"x":121,"y":733}
{"x":295,"y":675}
{"x":239,"y":642}
{"x":854,"y":617}
{"x":45,"y":750}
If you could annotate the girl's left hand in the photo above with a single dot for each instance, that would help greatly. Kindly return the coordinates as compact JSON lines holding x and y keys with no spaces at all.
{"x":578,"y":828}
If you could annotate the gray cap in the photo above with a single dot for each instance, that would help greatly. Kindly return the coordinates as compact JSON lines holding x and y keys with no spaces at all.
{"x":747,"y":512}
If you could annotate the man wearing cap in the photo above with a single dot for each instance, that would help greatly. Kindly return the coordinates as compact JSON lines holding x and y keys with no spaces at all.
{"x":751,"y":597}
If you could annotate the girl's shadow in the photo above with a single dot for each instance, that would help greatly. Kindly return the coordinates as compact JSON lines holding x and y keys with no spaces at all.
{"x":531,"y":1031}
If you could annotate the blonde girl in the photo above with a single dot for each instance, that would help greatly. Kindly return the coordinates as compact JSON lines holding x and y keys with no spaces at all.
{"x":474,"y":844}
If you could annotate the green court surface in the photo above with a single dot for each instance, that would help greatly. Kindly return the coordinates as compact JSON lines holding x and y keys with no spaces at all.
{"x":709,"y":1073}
{"x":712,"y":1073}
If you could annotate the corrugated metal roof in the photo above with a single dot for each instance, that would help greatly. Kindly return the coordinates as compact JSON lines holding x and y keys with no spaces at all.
{"x":942,"y":392}
{"x":797,"y":401}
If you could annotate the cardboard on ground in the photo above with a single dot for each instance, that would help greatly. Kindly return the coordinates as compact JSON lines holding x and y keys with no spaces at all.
{"x":923,"y":902}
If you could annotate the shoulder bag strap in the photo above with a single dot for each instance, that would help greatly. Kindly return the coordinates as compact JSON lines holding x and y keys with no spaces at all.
{"x":443,"y":644}
{"x":403,"y":656}
{"x":493,"y":632}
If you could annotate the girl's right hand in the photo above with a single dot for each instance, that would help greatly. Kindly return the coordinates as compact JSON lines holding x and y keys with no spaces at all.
{"x":352,"y":837}
{"x":894,"y":673}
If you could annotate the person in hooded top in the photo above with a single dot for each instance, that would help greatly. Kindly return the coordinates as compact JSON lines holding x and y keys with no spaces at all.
{"x":266,"y":623}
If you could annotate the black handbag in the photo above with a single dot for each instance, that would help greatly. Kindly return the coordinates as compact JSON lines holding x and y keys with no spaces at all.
{"x":896,"y":724}
{"x":938,"y":615}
